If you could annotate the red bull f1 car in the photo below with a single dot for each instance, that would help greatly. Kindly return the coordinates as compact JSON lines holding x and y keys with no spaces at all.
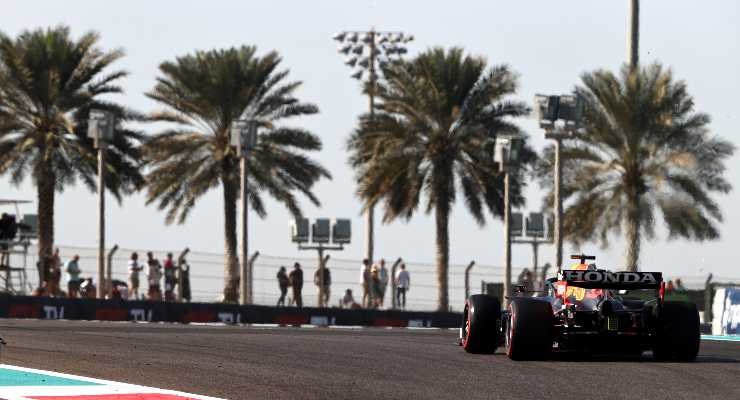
{"x":585,"y":310}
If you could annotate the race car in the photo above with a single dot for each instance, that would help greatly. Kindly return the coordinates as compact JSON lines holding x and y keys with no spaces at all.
{"x":588,"y":310}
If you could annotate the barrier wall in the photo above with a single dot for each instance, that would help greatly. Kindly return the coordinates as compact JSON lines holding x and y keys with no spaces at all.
{"x":726,"y":311}
{"x":116,"y":310}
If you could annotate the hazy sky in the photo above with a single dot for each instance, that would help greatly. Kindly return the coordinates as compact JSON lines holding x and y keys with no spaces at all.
{"x":549,"y":43}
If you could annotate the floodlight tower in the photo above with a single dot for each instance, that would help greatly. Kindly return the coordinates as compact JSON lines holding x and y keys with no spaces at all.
{"x":560,"y":117}
{"x":244,"y":138}
{"x":101,"y":128}
{"x":321,"y":232}
{"x":506,"y":154}
{"x":371,"y":51}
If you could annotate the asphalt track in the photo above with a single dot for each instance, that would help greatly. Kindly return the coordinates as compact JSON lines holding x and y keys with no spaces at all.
{"x":237,"y":363}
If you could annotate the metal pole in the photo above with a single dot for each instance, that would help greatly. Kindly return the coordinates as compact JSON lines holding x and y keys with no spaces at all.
{"x":558,"y":206}
{"x":507,"y":239}
{"x":101,"y":222}
{"x":633,"y":37}
{"x":245,"y":290}
{"x":467,"y":279}
{"x":535,"y":258}
{"x":321,"y":276}
{"x":370,"y":212}
{"x":109,"y":270}
{"x":394,"y":287}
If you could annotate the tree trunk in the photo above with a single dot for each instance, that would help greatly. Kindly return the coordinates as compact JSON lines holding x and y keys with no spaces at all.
{"x":46,"y":180}
{"x":442,"y":214}
{"x":633,"y":233}
{"x":231,"y":266}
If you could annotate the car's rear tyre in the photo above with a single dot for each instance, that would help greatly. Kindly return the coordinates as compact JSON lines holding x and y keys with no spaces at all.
{"x":481,"y":319}
{"x":529,"y":329}
{"x":678,"y":334}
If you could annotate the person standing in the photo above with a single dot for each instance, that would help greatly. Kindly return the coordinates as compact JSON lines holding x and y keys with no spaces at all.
{"x":72,"y":270}
{"x":55,"y":273}
{"x":134,"y":267}
{"x":170,"y":278}
{"x":323,"y":302}
{"x":185,"y":273}
{"x":383,"y":275}
{"x":403,"y":284}
{"x":154,"y":275}
{"x":365,"y":283}
{"x":375,"y":286}
{"x":296,"y":282}
{"x":283,"y":283}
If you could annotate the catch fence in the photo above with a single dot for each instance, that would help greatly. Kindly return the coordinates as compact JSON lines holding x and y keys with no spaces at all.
{"x":207,"y":276}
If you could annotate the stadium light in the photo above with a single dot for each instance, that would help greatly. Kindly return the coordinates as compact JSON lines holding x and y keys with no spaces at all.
{"x":101,"y":128}
{"x":561,"y":117}
{"x":368,"y":42}
{"x":244,"y":138}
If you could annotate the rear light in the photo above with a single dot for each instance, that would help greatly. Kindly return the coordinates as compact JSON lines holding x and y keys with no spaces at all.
{"x":661,"y":292}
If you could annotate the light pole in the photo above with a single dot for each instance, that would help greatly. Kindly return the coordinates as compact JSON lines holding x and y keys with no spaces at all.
{"x":244,"y":137}
{"x":506,"y":154}
{"x":568,"y":109}
{"x":381,"y":48}
{"x":633,"y":36}
{"x":100,"y":128}
{"x":338,"y":231}
{"x":534,"y":227}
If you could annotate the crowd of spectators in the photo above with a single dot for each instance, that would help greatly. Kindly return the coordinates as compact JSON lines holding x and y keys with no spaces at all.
{"x":374,"y":282}
{"x":51,"y":269}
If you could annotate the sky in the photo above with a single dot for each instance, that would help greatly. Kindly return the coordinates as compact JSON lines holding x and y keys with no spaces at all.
{"x":549,"y":43}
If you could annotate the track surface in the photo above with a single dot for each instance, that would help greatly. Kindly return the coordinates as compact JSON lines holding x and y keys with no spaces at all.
{"x":244,"y":363}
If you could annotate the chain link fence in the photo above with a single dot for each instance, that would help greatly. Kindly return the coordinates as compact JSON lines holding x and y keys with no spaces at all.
{"x":207,"y":276}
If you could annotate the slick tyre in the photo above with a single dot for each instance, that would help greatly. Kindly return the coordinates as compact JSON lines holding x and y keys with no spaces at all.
{"x":528,"y":333}
{"x":678,"y":334}
{"x":479,"y":333}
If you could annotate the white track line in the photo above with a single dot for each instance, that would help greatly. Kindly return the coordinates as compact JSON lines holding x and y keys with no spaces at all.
{"x":105,"y":387}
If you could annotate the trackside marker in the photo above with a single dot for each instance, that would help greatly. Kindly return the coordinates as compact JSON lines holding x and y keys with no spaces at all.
{"x":20,"y":383}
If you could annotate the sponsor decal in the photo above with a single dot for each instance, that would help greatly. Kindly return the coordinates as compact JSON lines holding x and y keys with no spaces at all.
{"x":611,"y":277}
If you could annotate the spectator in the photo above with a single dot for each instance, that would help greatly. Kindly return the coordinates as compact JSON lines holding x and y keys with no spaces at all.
{"x":678,"y":285}
{"x":383,"y":275}
{"x":87,"y":289}
{"x":54,"y":263}
{"x":134,"y":267}
{"x":669,"y":287}
{"x":154,"y":275}
{"x":72,"y":270}
{"x":185,"y":273}
{"x":365,"y":283}
{"x":120,"y":290}
{"x":323,"y":302}
{"x":375,"y":286}
{"x":283,"y":283}
{"x":170,"y":278}
{"x":403,"y":284}
{"x":8,"y":230}
{"x":348,"y":301}
{"x":296,"y":282}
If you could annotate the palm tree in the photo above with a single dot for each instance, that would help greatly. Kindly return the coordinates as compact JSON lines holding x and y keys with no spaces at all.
{"x":643,"y":149}
{"x":203,"y":93}
{"x":49,"y":82}
{"x":433,"y":134}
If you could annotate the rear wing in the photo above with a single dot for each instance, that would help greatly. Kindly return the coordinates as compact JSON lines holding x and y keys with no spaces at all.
{"x":600,"y":279}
